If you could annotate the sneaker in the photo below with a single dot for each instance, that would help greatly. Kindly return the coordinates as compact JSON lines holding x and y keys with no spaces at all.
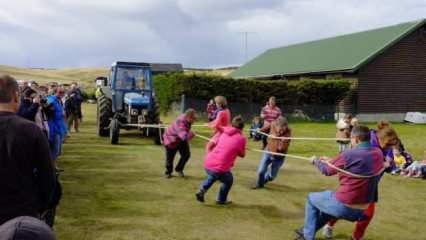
{"x":168,"y":175}
{"x":200,"y":196}
{"x":223,"y":203}
{"x":327,"y":232}
{"x":256,"y":187}
{"x":180,"y":173}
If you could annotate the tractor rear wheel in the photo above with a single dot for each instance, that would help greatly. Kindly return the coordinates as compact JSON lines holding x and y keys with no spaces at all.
{"x":104,"y":113}
{"x":114,"y":131}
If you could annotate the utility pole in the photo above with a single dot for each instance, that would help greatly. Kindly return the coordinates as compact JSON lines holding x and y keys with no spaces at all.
{"x":246,"y":47}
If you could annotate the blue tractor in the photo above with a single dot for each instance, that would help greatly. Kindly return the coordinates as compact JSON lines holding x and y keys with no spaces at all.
{"x":127,"y":101}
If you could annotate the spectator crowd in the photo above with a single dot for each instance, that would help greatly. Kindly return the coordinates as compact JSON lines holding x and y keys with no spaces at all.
{"x":34,"y":123}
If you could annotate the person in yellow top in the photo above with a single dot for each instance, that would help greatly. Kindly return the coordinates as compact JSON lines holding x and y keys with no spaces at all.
{"x":98,"y":92}
{"x":401,"y":159}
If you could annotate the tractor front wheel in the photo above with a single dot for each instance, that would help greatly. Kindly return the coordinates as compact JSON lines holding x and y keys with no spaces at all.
{"x":104,"y":114}
{"x":114,"y":131}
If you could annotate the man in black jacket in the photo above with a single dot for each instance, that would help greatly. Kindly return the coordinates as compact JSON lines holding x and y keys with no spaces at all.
{"x":73,"y":107}
{"x":30,"y":104}
{"x":27,"y":177}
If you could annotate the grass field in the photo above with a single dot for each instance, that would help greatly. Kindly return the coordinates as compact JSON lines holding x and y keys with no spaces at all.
{"x":119,"y":192}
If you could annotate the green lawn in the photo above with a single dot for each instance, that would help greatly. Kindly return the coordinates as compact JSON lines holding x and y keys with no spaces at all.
{"x":119,"y":192}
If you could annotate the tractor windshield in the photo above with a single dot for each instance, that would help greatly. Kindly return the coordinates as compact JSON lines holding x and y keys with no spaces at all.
{"x":131,"y":78}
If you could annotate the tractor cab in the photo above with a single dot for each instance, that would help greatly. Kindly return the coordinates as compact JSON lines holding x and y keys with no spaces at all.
{"x":131,"y":86}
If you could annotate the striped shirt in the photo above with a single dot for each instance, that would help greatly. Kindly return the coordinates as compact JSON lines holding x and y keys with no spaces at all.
{"x":179,"y":131}
{"x":270,"y":114}
{"x":363,"y":160}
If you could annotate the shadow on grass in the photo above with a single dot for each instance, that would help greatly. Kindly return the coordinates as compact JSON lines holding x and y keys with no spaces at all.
{"x":268,"y":211}
{"x":193,"y":178}
{"x":276,"y":187}
{"x":336,"y":237}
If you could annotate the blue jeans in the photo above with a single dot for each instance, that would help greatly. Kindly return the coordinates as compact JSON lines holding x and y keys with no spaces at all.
{"x":227,"y":179}
{"x":322,"y":207}
{"x":266,"y":174}
{"x":56,"y":146}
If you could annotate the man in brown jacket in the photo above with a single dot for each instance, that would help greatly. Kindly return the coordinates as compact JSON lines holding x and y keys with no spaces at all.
{"x":271,"y":163}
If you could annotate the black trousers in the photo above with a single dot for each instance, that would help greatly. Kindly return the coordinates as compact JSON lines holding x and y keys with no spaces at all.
{"x":185,"y":154}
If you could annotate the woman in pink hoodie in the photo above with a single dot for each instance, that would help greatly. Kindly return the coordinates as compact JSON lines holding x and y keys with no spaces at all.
{"x":222,"y":151}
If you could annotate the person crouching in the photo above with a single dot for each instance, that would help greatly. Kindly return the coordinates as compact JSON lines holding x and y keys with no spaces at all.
{"x":176,"y":139}
{"x":222,"y":152}
{"x":271,"y":164}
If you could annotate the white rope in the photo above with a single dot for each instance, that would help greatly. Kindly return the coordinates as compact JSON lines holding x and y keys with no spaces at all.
{"x":310,"y":159}
{"x":302,"y":138}
{"x":281,"y":154}
{"x":257,"y":131}
{"x":147,"y":125}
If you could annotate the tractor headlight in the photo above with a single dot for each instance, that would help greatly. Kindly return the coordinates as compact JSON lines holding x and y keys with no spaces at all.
{"x":134,"y":112}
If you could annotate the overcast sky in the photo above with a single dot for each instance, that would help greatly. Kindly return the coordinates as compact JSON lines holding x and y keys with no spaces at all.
{"x":197,"y":33}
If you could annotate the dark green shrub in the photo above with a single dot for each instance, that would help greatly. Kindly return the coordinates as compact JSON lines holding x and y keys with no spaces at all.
{"x":170,"y":87}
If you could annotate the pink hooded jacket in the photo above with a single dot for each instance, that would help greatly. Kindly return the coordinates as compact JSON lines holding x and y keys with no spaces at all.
{"x":223,"y":119}
{"x":223,"y":150}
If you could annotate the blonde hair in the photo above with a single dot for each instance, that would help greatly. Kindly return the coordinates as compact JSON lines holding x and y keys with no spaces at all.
{"x":221,"y":101}
{"x":387,"y":137}
{"x":281,"y":122}
{"x":190,"y":112}
{"x":354,"y":122}
{"x":383,"y":124}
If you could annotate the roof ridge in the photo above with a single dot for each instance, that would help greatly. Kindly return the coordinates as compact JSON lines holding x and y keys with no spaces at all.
{"x":416,"y":22}
{"x":343,"y":53}
{"x":391,"y":42}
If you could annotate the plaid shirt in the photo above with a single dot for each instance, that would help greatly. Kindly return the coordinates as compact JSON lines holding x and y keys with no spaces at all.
{"x":179,"y":131}
{"x":270,"y":114}
{"x":365,"y":160}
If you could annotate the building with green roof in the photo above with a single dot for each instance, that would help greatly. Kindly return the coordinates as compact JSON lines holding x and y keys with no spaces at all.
{"x":389,"y":63}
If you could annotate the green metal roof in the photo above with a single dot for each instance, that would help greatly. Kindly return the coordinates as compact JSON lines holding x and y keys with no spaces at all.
{"x":345,"y":53}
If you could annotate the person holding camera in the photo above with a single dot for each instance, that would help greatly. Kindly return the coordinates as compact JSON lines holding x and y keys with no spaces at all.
{"x":73,"y":103}
{"x":30,"y":104}
{"x":27,"y":176}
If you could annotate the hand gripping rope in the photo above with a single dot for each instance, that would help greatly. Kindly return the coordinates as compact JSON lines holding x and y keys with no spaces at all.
{"x":310,"y":159}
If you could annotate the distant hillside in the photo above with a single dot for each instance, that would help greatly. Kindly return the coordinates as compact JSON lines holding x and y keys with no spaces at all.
{"x":82,"y":75}
{"x":86,"y":76}
{"x":211,"y":71}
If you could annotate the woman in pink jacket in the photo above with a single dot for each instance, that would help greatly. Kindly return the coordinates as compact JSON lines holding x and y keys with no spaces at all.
{"x":222,"y":151}
{"x":222,"y":116}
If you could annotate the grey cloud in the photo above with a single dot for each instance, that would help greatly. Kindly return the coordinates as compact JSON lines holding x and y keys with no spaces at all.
{"x":57,"y":33}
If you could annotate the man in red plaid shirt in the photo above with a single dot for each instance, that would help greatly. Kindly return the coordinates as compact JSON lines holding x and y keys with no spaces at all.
{"x":269,"y":113}
{"x":176,"y":138}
